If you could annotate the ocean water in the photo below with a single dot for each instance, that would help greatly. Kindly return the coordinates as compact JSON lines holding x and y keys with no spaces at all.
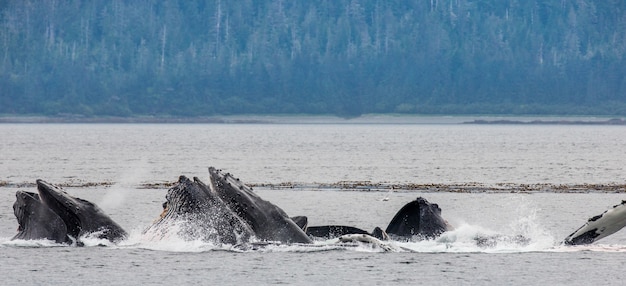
{"x":124,"y":168}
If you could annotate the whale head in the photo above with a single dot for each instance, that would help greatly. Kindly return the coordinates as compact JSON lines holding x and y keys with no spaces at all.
{"x":36,"y":220}
{"x":417,"y":218}
{"x":268,"y":221}
{"x":192,"y":212}
{"x":80,"y":216}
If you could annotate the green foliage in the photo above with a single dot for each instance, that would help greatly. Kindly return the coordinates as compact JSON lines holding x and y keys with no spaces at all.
{"x":343,"y":57}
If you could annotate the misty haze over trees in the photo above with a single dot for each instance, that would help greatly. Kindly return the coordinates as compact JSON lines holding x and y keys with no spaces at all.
{"x":344,"y":57}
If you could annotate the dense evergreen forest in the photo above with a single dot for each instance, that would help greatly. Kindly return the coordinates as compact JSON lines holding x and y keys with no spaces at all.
{"x":343,"y":57}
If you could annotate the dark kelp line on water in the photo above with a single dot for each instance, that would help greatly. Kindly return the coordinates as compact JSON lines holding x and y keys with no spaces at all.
{"x":367,"y":186}
{"x":454,"y":188}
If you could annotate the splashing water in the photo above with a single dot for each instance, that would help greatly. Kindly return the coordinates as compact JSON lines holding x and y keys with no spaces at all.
{"x":7,"y":242}
{"x":524,"y":234}
{"x":529,"y":225}
{"x":117,"y":194}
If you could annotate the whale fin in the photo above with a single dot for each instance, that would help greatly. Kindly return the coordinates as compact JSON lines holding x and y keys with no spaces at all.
{"x":366,"y":239}
{"x":600,"y":226}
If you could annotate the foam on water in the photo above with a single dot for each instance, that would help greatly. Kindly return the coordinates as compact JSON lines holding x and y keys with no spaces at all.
{"x":94,"y":239}
{"x":470,"y":238}
{"x":166,"y":241}
{"x":460,"y":240}
{"x":39,"y":243}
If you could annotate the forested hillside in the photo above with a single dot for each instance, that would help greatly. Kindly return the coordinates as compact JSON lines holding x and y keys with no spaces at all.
{"x":344,"y":57}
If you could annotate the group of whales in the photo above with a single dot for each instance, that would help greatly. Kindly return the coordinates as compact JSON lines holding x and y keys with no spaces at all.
{"x":226,"y":211}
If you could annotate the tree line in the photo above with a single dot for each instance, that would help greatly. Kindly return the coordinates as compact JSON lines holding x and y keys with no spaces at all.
{"x":344,"y":57}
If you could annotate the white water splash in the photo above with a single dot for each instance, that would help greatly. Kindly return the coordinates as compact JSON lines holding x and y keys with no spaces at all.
{"x":30,"y":243}
{"x":523,"y":234}
{"x":94,"y":239}
{"x":129,"y":178}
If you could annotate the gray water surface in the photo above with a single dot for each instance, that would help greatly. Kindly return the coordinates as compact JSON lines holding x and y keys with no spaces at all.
{"x":127,"y":157}
{"x":309,"y":153}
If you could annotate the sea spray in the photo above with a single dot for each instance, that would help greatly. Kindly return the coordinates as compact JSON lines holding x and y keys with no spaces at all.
{"x":529,"y":225}
{"x":129,"y":178}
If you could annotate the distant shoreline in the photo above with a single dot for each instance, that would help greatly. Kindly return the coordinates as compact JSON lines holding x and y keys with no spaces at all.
{"x":613,"y":121}
{"x":106,"y":119}
{"x":320,"y":119}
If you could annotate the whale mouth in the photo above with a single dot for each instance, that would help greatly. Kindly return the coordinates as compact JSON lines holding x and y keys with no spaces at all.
{"x":165,"y":210}
{"x":183,"y":198}
{"x":25,"y":206}
{"x":162,"y":215}
{"x":62,"y":204}
{"x":22,"y":200}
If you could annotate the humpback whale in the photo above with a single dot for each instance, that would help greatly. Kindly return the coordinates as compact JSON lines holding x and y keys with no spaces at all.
{"x":600,"y":226}
{"x":225,"y":211}
{"x":335,"y":231}
{"x":196,"y":213}
{"x":418,"y":218}
{"x":80,"y":216}
{"x":268,"y":221}
{"x":36,"y":221}
{"x":55,"y":215}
